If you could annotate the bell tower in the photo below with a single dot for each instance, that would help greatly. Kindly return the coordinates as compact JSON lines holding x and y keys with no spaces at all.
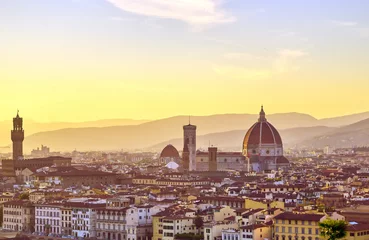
{"x":189,"y":148}
{"x":17,"y":135}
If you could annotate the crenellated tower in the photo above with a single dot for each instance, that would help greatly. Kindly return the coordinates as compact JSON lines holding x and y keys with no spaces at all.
{"x":17,"y":135}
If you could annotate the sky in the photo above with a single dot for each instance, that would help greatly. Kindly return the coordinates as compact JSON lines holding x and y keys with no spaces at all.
{"x":80,"y":60}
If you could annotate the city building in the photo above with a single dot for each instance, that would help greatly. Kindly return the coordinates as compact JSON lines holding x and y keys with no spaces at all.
{"x":44,"y":151}
{"x":332,"y":200}
{"x":357,"y":231}
{"x":111,"y":220}
{"x":213,"y":230}
{"x":297,"y":226}
{"x":263,"y":147}
{"x":256,"y":232}
{"x":66,"y":220}
{"x":84,"y":216}
{"x":19,"y":215}
{"x":173,"y":225}
{"x":74,"y":177}
{"x":48,"y":218}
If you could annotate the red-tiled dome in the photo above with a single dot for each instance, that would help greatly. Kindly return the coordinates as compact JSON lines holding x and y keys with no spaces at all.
{"x":262,"y":132}
{"x":169,"y":151}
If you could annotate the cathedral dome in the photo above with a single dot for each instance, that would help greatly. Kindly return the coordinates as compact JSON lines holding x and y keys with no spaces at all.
{"x":262,"y":133}
{"x":262,"y":139}
{"x":169,"y":152}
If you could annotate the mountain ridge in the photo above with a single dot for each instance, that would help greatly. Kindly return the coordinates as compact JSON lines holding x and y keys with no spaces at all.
{"x":144,"y":135}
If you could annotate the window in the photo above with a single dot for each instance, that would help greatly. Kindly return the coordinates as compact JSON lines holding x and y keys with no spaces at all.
{"x":352,"y":234}
{"x":302,"y":230}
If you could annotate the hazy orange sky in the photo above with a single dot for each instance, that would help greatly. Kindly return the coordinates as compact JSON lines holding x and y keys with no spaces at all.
{"x":78,"y":60}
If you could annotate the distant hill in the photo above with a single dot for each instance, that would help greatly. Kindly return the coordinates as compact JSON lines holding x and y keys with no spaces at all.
{"x":344,"y":120}
{"x":356,"y":134}
{"x":224,"y":130}
{"x":147,"y":134}
{"x":232,"y":140}
{"x":32,"y":127}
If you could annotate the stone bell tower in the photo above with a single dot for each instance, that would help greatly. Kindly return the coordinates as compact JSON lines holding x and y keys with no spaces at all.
{"x":189,"y":148}
{"x":17,"y":137}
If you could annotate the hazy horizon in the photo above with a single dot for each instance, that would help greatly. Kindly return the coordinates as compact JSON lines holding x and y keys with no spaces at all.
{"x":180,"y":115}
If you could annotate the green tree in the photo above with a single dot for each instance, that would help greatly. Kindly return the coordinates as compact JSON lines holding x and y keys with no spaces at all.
{"x":333,"y":229}
{"x":199,"y":223}
{"x":24,"y":196}
{"x":1,"y":216}
{"x":47,"y":229}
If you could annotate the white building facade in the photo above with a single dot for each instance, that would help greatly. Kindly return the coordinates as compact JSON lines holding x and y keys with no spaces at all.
{"x":48,"y":218}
